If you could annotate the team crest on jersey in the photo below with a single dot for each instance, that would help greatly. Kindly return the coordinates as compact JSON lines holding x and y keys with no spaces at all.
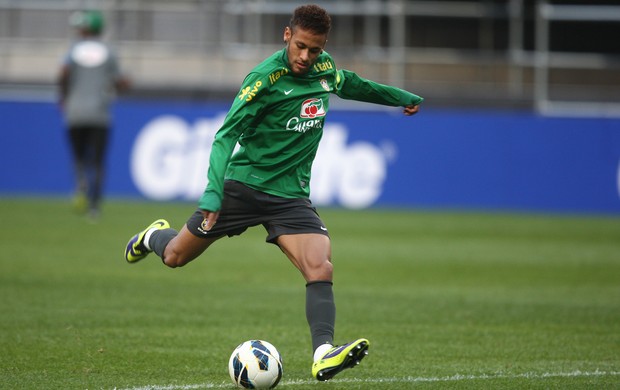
{"x":324,"y":84}
{"x":312,"y":108}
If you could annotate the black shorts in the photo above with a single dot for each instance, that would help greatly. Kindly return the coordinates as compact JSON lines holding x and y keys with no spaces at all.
{"x":244,"y":207}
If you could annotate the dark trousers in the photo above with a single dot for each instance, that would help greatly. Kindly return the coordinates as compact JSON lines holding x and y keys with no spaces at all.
{"x":89,"y":146}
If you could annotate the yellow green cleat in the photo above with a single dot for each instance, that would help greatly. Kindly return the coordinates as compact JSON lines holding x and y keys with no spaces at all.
{"x":80,"y":203}
{"x":338,"y":358}
{"x":135,"y":249}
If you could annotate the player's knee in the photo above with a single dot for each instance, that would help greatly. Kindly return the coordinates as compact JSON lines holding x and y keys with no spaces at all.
{"x":169,"y":261}
{"x":321,"y":271}
{"x":174,"y":260}
{"x":328,"y":268}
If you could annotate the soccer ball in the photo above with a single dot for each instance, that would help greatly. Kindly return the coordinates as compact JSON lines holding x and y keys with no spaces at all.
{"x":255,"y":364}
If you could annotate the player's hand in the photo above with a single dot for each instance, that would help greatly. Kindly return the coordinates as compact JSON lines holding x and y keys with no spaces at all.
{"x":210,"y":218}
{"x":411,"y":110}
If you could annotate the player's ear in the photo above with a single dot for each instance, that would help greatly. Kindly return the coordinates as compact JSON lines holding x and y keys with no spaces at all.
{"x":323,"y":49}
{"x":287,"y":34}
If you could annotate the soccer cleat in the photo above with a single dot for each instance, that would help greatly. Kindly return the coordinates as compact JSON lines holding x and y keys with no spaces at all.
{"x":135,"y":249}
{"x":339,"y":358}
{"x":80,"y":203}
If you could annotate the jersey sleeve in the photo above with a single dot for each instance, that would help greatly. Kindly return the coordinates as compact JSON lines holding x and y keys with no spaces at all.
{"x":353,"y":87}
{"x":245,"y":109}
{"x":66,"y":58}
{"x":115,"y":69}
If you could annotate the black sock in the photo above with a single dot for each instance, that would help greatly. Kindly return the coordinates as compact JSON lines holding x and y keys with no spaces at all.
{"x":159,"y":239}
{"x":320,"y":312}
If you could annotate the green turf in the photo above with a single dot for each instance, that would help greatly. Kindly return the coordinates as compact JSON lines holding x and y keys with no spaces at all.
{"x":448,"y":300}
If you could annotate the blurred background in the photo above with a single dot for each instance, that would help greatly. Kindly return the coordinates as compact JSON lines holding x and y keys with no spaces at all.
{"x":511,"y":53}
{"x":522,"y":96}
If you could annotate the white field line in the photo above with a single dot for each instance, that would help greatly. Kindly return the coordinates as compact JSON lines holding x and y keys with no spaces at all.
{"x":406,"y":379}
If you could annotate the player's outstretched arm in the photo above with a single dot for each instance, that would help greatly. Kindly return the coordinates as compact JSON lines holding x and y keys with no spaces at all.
{"x":353,"y":87}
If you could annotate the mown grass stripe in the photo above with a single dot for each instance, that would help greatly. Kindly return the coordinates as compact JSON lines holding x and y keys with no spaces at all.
{"x":407,"y":379}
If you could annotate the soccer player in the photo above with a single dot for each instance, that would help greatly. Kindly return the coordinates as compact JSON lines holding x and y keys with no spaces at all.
{"x":277,"y":118}
{"x":88,"y":77}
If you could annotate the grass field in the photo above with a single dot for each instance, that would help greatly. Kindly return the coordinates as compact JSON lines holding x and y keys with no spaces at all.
{"x":448,"y":300}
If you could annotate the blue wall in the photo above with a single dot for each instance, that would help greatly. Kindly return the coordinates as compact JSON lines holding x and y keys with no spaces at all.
{"x":439,"y":158}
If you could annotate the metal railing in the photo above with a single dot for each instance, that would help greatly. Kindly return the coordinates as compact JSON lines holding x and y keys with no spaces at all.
{"x":452,"y":51}
{"x":546,"y":60}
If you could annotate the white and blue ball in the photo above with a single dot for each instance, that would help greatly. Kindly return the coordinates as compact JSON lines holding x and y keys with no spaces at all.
{"x":255,"y":364}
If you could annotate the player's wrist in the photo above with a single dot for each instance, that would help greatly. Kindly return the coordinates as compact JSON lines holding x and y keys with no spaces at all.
{"x":209,"y":201}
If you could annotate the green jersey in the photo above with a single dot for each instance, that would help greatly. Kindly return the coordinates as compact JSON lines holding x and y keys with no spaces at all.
{"x":277,"y":119}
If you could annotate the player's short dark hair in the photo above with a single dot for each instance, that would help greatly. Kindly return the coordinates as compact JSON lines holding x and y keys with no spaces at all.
{"x":311,"y":17}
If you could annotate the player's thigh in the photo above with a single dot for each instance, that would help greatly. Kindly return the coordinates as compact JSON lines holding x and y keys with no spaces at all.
{"x":310,"y":253}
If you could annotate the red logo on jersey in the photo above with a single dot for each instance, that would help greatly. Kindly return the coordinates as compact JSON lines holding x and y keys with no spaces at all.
{"x":312,"y":108}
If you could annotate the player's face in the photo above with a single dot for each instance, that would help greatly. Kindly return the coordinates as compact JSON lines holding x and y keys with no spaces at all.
{"x":303,"y":48}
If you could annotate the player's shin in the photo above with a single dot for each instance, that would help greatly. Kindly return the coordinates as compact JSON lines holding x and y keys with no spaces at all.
{"x":159,"y":239}
{"x":320,"y":312}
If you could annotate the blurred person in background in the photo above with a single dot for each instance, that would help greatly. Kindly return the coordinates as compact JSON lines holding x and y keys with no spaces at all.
{"x":88,"y":80}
